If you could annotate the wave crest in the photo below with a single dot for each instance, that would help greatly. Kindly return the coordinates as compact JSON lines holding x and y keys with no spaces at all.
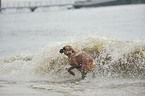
{"x":110,"y":57}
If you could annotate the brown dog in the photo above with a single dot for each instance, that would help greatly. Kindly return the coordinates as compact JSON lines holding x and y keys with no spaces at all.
{"x":83,"y":62}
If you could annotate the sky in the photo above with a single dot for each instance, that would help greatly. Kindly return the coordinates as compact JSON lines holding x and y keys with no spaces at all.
{"x":21,"y":0}
{"x":15,"y":2}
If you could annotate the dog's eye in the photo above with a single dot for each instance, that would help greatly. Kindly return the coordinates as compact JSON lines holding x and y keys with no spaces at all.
{"x":64,"y":49}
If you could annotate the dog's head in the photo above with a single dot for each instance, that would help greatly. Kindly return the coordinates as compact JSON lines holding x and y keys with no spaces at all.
{"x":67,"y":50}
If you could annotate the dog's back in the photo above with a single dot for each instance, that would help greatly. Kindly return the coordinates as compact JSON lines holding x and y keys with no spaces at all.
{"x":85,"y":61}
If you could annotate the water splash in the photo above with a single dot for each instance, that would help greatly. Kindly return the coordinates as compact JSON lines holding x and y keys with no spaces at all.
{"x":111,"y":57}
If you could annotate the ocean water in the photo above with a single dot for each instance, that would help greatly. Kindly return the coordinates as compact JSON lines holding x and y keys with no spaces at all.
{"x":31,"y":65}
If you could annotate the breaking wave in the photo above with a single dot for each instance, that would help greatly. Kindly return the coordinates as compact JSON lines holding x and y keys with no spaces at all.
{"x":111,"y":57}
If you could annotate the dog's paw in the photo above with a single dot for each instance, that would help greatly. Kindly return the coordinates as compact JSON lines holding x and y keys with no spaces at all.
{"x":72,"y":73}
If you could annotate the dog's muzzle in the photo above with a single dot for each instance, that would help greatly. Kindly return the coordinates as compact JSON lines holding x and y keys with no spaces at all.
{"x":61,"y":51}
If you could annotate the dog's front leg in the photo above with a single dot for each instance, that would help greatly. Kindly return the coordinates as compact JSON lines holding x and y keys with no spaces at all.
{"x":69,"y":70}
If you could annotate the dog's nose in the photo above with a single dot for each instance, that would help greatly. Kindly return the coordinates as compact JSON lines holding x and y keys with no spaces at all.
{"x":61,"y":51}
